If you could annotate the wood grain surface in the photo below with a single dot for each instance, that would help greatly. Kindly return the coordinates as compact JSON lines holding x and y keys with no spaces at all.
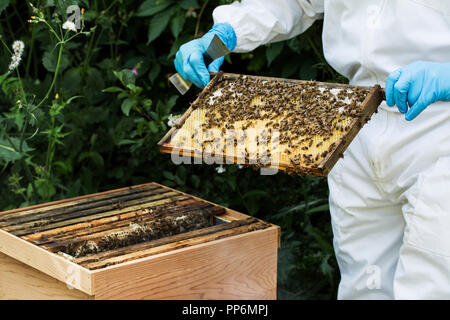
{"x":240,"y":267}
{"x":19,"y":281}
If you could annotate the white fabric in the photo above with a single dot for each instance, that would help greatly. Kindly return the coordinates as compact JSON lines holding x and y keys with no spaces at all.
{"x":364,"y":40}
{"x":390,"y":195}
{"x":257,"y":22}
{"x":390,"y":208}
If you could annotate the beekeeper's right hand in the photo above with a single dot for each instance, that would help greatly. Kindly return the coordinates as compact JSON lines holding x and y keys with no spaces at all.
{"x":189,"y":58}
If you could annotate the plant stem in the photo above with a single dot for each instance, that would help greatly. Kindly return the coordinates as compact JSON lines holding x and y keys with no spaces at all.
{"x":88,"y":54}
{"x":52,"y":31}
{"x":5,"y":45}
{"x":110,"y":6}
{"x":50,"y":149}
{"x":197,"y":26}
{"x":54,"y":77}
{"x":30,"y":52}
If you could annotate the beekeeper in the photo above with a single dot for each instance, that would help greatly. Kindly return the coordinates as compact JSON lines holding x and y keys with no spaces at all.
{"x":390,"y":195}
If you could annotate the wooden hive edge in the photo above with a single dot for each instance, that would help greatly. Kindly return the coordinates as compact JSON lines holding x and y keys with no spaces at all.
{"x":116,"y":279}
{"x":369,"y":107}
{"x":49,"y":263}
{"x":230,"y":76}
{"x":47,"y":204}
{"x":83,"y":279}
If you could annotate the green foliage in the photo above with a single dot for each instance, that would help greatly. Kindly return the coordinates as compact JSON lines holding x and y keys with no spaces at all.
{"x":84,"y":111}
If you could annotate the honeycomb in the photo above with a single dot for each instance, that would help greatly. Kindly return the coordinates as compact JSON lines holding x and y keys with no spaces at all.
{"x":275,"y":122}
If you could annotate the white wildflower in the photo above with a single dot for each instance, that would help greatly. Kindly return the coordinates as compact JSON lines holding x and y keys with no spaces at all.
{"x":18,"y":47}
{"x":15,"y":62}
{"x":173,"y":120}
{"x":240,"y":166}
{"x":220,"y":169}
{"x":69,"y":25}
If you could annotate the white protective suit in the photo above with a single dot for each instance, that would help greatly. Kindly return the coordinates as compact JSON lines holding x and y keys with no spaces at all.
{"x":390,"y":195}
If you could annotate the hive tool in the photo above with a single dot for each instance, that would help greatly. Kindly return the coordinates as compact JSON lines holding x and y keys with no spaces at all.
{"x":216,"y":49}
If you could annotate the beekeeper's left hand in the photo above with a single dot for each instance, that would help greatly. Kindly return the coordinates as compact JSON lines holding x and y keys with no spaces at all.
{"x":416,"y":86}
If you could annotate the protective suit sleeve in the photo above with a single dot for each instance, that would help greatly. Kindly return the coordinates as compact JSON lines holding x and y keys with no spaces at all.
{"x":258,"y":22}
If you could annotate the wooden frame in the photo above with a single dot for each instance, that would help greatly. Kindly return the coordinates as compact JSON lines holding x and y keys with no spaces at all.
{"x":224,"y":265}
{"x":369,"y":106}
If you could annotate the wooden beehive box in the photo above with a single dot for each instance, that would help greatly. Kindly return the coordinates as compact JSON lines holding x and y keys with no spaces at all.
{"x":141,"y":242}
{"x":293,"y":125}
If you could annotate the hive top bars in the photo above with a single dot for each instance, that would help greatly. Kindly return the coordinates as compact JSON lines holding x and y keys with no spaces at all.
{"x":293,"y":125}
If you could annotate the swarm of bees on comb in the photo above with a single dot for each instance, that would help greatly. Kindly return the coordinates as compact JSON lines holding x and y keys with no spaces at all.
{"x":309,"y":120}
{"x":138,"y":232}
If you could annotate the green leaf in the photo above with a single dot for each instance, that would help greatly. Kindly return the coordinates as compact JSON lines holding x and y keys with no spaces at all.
{"x":112,"y":90}
{"x":186,"y":4}
{"x":307,"y":70}
{"x":255,"y":193}
{"x":3,"y":5}
{"x":154,"y":72}
{"x":293,"y":209}
{"x":153,"y":126}
{"x":95,"y":157}
{"x":179,"y":181}
{"x":325,"y":267}
{"x":154,"y":115}
{"x":195,"y":181}
{"x":177,"y":24}
{"x":322,"y":208}
{"x":122,"y":95}
{"x":168,"y":175}
{"x":4,"y":76}
{"x":182,"y":173}
{"x":93,"y":86}
{"x":320,"y":237}
{"x":134,"y":89}
{"x":8,"y":153}
{"x":158,"y":24}
{"x":165,"y":109}
{"x":45,"y":188}
{"x":183,"y":38}
{"x":147,"y":102}
{"x":49,"y":4}
{"x":151,"y":7}
{"x":274,"y":51}
{"x":124,"y":142}
{"x":126,"y":76}
{"x":289,"y":69}
{"x":127,"y":104}
{"x":232,"y":182}
{"x":50,"y":60}
{"x":72,"y":80}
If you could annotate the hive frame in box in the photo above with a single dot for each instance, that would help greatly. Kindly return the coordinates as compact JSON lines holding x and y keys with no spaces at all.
{"x":369,"y":106}
{"x":209,"y":270}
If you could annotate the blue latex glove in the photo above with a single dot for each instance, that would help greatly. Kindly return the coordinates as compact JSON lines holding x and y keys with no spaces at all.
{"x":417,"y":86}
{"x":189,"y":58}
